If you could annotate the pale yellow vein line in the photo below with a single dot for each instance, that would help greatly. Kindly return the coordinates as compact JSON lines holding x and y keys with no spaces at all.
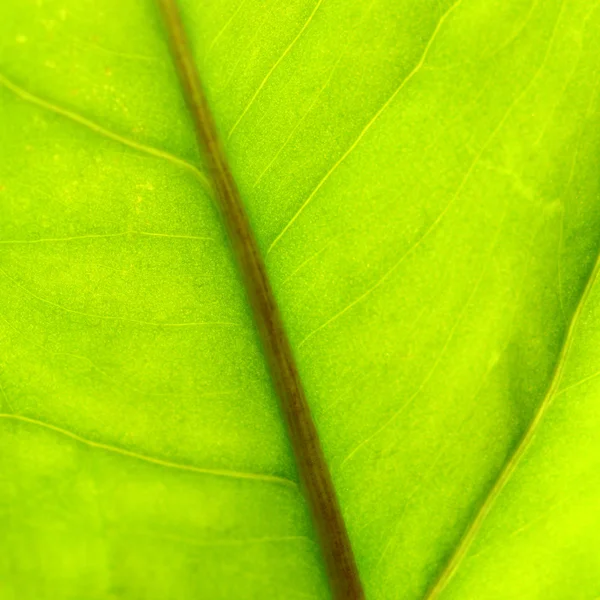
{"x":368,"y":126}
{"x":258,"y":31}
{"x":149,"y":459}
{"x":456,"y":195}
{"x":31,"y":98}
{"x":398,"y":521}
{"x":224,"y":542}
{"x":577,"y":383}
{"x":510,"y":466}
{"x":457,"y":322}
{"x":312,"y":257}
{"x":314,"y":101}
{"x":426,"y":234}
{"x":81,"y":42}
{"x":518,"y":31}
{"x":114,"y":382}
{"x":272,"y":69}
{"x":512,"y":463}
{"x":106,"y":236}
{"x":174,"y":236}
{"x":251,"y":541}
{"x":112,"y":317}
{"x":298,"y":124}
{"x":224,"y":28}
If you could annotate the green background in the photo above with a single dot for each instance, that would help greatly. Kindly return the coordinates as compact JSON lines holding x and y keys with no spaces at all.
{"x":422,"y":177}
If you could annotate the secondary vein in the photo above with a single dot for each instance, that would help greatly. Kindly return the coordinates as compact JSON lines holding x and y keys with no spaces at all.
{"x":149,"y":459}
{"x":111,"y":135}
{"x":511,"y":464}
{"x":312,"y":468}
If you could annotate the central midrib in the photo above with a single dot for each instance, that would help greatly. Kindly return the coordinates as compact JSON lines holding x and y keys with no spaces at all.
{"x":313,"y":470}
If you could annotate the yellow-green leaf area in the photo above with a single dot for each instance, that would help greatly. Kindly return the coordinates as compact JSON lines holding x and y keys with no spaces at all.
{"x":422,"y":180}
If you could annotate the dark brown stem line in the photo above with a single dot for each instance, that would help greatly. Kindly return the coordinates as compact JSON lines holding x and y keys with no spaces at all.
{"x":312,"y":468}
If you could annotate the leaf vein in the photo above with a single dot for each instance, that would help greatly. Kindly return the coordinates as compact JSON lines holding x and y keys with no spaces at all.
{"x":457,"y":322}
{"x":473,"y":528}
{"x":111,"y":135}
{"x":112,"y":317}
{"x":272,"y":69}
{"x":105,"y":236}
{"x":149,"y":459}
{"x":368,"y":126}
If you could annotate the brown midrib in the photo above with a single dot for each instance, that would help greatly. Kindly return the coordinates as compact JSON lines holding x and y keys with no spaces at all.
{"x":312,"y":468}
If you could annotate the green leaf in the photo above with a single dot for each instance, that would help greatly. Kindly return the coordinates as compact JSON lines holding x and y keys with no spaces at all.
{"x":422,"y":179}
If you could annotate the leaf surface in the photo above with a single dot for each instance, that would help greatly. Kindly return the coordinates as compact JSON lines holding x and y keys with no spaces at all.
{"x":422,"y":180}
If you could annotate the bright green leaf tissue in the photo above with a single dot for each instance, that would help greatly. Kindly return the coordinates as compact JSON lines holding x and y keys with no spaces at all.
{"x":423,"y":179}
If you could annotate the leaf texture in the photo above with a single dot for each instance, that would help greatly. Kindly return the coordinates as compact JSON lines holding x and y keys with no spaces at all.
{"x":422,"y":180}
